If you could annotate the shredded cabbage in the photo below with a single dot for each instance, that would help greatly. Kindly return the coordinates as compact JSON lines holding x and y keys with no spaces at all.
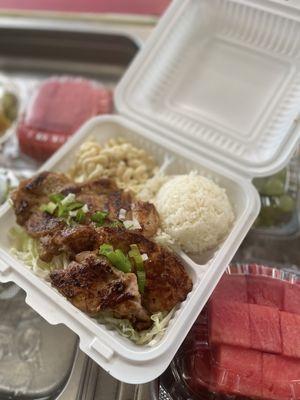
{"x":27,"y":249}
{"x":150,"y":336}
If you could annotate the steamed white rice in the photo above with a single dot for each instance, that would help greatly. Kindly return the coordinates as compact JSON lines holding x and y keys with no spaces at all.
{"x":194,"y":211}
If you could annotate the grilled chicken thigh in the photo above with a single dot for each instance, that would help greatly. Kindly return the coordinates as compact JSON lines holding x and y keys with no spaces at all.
{"x":92,"y":282}
{"x":167,"y":282}
{"x":99,"y":195}
{"x":93,"y":285}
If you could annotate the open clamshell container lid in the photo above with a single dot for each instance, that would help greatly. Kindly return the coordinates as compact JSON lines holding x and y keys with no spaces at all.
{"x":216,"y":89}
{"x":223,"y":77}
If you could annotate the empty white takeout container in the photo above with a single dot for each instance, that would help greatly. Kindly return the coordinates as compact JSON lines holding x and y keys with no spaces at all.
{"x":217,"y":89}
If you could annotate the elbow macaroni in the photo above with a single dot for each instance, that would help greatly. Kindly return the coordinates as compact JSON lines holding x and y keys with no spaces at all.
{"x":118,"y":159}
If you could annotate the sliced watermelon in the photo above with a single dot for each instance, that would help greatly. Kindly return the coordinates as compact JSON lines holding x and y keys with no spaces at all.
{"x":265,"y":329}
{"x":290,"y":330}
{"x":231,"y":288}
{"x":58,"y":108}
{"x":281,"y":377}
{"x":237,"y":371}
{"x":229,"y":323}
{"x":265,"y":291}
{"x":291,"y":298}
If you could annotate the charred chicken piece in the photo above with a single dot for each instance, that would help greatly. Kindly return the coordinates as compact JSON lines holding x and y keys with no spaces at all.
{"x":33,"y":192}
{"x":93,"y":285}
{"x":103,"y":194}
{"x":167,"y":282}
{"x":99,"y":195}
{"x":70,"y":240}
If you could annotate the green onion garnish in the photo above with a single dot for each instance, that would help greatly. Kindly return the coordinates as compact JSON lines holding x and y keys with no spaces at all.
{"x":139,"y":264}
{"x":56,"y":198}
{"x":49,"y":207}
{"x":74,"y":206}
{"x":80,"y":216}
{"x":99,"y":217}
{"x":116,"y":257}
{"x":68,"y":199}
{"x":105,"y":249}
{"x":62,"y":211}
{"x":66,"y":207}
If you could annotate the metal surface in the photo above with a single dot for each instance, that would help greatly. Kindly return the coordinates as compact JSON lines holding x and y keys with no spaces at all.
{"x":35,"y":358}
{"x":82,"y":380}
{"x":110,"y":389}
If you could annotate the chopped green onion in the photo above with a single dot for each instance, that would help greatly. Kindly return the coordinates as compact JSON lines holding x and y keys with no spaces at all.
{"x":62,"y":211}
{"x":122,"y":262}
{"x":99,"y":217}
{"x":49,"y":208}
{"x":80,"y":216}
{"x":56,"y":198}
{"x":116,"y":257}
{"x":139,"y":263}
{"x":68,"y":200}
{"x":105,"y":249}
{"x":136,"y":255}
{"x":74,"y":206}
{"x":85,"y":208}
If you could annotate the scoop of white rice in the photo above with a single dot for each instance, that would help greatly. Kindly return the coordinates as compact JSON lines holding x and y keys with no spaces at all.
{"x":194,"y":211}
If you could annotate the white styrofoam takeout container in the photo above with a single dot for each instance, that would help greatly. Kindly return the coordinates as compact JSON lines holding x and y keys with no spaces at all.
{"x":217,"y":89}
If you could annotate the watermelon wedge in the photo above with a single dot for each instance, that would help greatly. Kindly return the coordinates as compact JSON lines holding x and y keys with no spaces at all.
{"x":291,"y":298}
{"x":265,"y":291}
{"x":290,"y":330}
{"x":229,"y":323}
{"x":237,"y":371}
{"x":231,"y":288}
{"x":265,"y":329}
{"x":281,"y":378}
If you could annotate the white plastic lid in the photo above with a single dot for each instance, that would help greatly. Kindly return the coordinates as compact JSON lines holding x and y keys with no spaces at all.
{"x":223,"y":78}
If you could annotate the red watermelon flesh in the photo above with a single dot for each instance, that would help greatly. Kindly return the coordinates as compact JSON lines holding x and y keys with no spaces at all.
{"x":58,"y":109}
{"x":265,"y":329}
{"x":281,"y":377}
{"x":291,"y":298}
{"x":231,"y":288}
{"x":290,"y":330}
{"x":237,"y":371}
{"x":265,"y":291}
{"x":64,"y":104}
{"x":229,"y":323}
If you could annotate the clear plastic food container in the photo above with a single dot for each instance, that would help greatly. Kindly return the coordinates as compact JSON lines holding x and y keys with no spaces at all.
{"x":245,"y":343}
{"x":216,"y":90}
{"x":9,"y":107}
{"x":279,"y":193}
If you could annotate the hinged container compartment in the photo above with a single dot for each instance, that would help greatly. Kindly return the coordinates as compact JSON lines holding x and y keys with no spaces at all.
{"x":215,"y":89}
